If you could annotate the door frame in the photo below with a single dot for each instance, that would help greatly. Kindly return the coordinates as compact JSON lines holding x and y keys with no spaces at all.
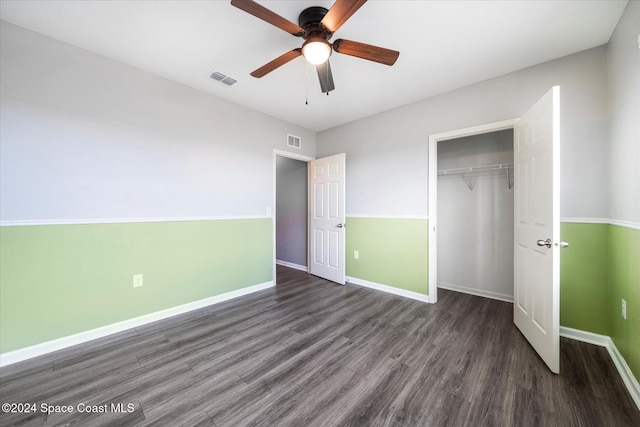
{"x":432,"y":187}
{"x":288,"y":154}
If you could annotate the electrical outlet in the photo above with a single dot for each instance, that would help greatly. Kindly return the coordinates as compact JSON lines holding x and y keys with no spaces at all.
{"x":138,"y":280}
{"x":356,"y":254}
{"x":624,"y":309}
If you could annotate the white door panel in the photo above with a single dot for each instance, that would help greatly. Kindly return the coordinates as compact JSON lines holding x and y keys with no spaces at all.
{"x":318,"y":247}
{"x":327,"y":186}
{"x":537,"y":217}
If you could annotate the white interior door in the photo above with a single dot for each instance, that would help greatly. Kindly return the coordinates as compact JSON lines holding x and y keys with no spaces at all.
{"x":536,"y":308}
{"x":326,"y":218}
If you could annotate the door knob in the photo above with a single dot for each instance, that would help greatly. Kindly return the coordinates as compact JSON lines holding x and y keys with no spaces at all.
{"x":340,"y":225}
{"x":546,"y":243}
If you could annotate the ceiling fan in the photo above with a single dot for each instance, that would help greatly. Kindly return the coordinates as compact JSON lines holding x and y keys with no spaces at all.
{"x":316,"y":26}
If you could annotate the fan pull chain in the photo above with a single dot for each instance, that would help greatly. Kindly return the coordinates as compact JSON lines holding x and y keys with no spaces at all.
{"x":306,"y":83}
{"x":326,"y":73}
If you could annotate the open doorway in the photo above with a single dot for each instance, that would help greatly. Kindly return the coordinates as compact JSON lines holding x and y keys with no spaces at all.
{"x":291,"y":213}
{"x":289,"y":238}
{"x":475,"y":208}
{"x":434,"y":167}
{"x":324,"y":201}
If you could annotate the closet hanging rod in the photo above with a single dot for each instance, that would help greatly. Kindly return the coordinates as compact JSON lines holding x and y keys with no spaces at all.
{"x":503,"y":166}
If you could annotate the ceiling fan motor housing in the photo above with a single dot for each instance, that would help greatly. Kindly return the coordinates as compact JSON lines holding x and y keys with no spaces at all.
{"x":310,"y":19}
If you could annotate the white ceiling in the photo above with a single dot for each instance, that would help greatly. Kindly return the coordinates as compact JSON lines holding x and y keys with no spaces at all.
{"x":443,"y":45}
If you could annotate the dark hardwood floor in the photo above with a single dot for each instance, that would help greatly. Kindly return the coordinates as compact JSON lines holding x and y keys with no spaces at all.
{"x":309,"y":352}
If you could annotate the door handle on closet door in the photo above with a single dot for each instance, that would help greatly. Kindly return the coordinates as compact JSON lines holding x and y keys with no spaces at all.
{"x":546,"y":243}
{"x":340,"y":225}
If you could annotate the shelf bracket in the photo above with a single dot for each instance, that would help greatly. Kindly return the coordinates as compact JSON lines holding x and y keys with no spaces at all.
{"x":470,"y":180}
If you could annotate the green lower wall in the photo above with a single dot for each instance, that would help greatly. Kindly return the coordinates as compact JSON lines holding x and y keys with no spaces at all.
{"x":584,"y":277}
{"x":624,"y":279}
{"x":58,"y":280}
{"x":601,"y":267}
{"x":393,"y":252}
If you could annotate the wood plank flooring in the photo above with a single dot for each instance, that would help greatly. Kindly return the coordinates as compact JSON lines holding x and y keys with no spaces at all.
{"x":312,"y":353}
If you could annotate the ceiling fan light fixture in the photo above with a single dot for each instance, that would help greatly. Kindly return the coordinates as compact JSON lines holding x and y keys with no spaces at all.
{"x":316,"y":50}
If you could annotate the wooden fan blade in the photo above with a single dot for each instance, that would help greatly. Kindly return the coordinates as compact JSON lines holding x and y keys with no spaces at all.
{"x":340,"y":12}
{"x":366,"y":51}
{"x":267,"y":15}
{"x":279,"y":61}
{"x":325,"y":76}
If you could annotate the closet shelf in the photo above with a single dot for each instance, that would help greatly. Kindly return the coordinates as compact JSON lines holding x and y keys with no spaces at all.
{"x":487,"y":168}
{"x":469,"y":172}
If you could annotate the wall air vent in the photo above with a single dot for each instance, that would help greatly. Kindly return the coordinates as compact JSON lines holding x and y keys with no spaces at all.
{"x":222,"y":78}
{"x":294,"y":141}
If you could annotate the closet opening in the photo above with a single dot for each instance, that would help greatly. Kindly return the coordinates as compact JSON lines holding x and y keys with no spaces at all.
{"x":471,"y":211}
{"x":475,"y":211}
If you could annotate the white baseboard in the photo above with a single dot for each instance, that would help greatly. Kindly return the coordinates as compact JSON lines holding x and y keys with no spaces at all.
{"x":389,"y":289}
{"x":605,"y":341}
{"x":19,"y":355}
{"x":477,"y":292}
{"x":584,"y":336}
{"x":292,"y":265}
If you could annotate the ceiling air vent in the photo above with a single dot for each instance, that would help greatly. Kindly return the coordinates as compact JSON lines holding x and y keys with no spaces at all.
{"x":294,"y":141}
{"x":222,"y":78}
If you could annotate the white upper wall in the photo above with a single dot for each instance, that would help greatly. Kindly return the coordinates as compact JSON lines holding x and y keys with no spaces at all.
{"x":83,"y":137}
{"x":387,"y":160}
{"x":624,"y":120}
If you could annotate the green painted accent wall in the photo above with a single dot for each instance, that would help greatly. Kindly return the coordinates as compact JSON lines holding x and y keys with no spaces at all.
{"x":58,"y":280}
{"x":601,"y":267}
{"x":624,"y":244}
{"x":393,"y":252}
{"x":584,"y":277}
